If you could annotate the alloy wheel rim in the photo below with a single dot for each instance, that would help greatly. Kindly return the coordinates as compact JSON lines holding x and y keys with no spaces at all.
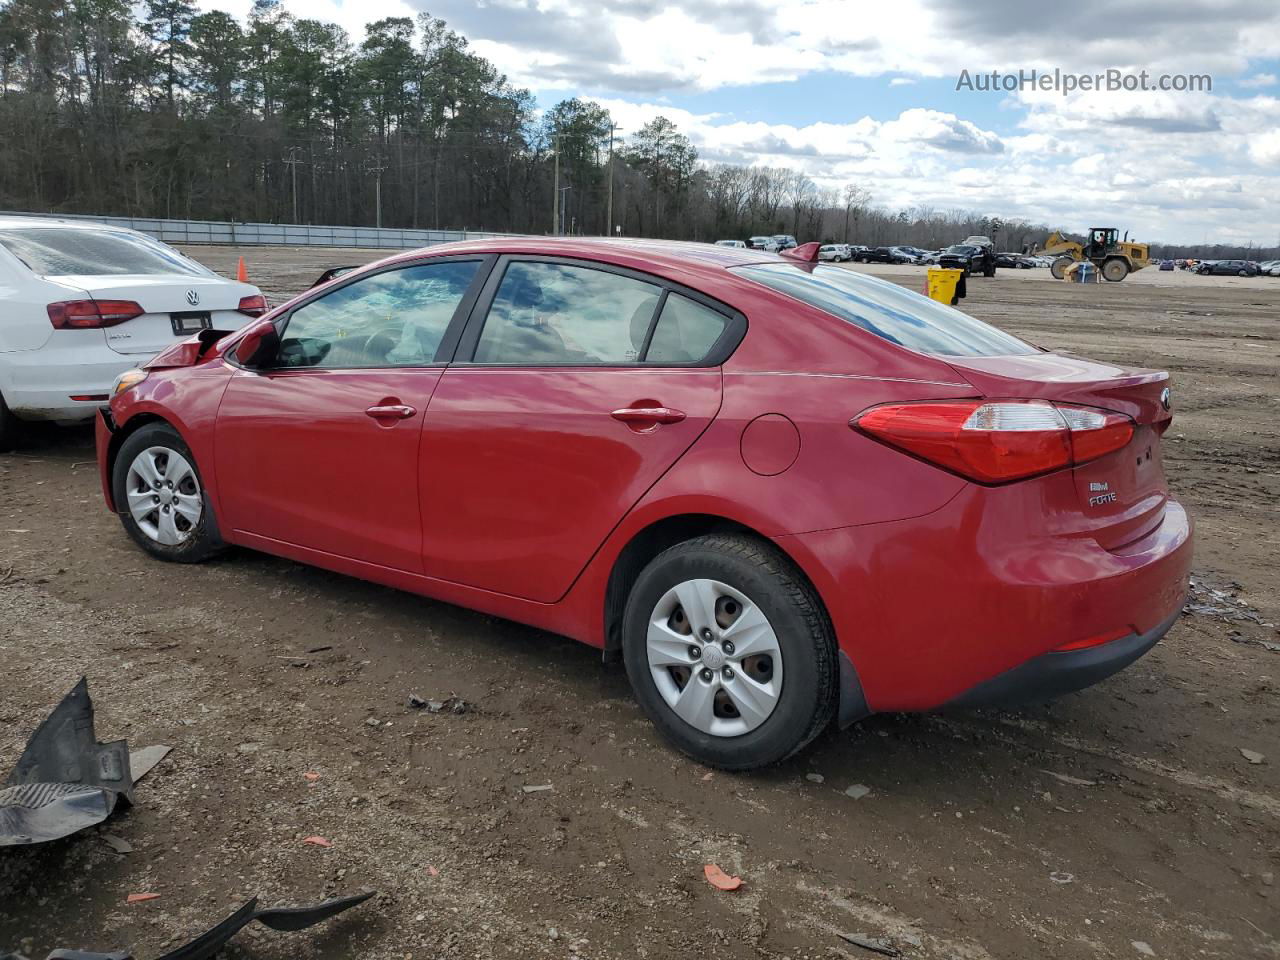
{"x":164,"y":495}
{"x":714,"y":658}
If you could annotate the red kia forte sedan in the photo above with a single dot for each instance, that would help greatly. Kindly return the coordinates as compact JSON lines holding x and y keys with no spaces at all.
{"x":782,"y":492}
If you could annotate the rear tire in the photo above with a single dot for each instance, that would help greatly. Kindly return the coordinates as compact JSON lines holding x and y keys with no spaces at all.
{"x":1115,"y":270}
{"x":1242,"y":273}
{"x":156,"y":485}
{"x":745,"y":710}
{"x":9,"y":427}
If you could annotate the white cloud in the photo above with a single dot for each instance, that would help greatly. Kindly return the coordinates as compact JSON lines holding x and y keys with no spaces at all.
{"x":1177,"y":166}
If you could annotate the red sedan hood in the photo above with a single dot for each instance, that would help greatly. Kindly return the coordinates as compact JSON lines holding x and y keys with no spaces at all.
{"x":1053,"y":376}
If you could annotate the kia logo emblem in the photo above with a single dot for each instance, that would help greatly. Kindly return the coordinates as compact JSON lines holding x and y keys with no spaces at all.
{"x":193,"y":297}
{"x":1165,"y":399}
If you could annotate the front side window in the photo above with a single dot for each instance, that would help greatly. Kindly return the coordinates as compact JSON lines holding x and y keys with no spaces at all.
{"x":95,"y":252}
{"x":558,"y":313}
{"x":891,"y":312}
{"x":396,"y":318}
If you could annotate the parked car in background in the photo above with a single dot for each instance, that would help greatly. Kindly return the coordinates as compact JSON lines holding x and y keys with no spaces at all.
{"x":885,"y":255}
{"x":784,"y":493}
{"x":730,"y":243}
{"x":785,"y":241}
{"x":908,"y":254}
{"x":82,"y":302}
{"x":1270,"y":268}
{"x":835,"y":252}
{"x":972,"y":258}
{"x":763,"y":243}
{"x":1166,"y":265}
{"x":1014,"y":261}
{"x":1239,"y":268}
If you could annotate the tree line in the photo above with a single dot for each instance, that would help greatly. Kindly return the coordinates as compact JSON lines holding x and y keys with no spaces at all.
{"x":167,"y":112}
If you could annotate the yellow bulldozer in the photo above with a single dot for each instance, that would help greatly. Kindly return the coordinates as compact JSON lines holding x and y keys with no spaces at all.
{"x":1115,"y":258}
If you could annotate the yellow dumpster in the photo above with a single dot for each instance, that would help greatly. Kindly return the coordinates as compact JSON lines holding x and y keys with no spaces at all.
{"x":945,"y":284}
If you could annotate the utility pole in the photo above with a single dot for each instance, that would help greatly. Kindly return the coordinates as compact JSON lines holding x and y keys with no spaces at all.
{"x":564,"y":210}
{"x":376,"y":167}
{"x":555,"y":193}
{"x":293,"y":161}
{"x":608,"y":220}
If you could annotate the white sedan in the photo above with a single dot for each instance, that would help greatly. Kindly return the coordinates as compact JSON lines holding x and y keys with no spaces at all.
{"x":836,"y":252}
{"x":83,"y":302}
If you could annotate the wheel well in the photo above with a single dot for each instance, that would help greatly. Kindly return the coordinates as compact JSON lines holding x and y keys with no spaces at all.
{"x":646,"y":545}
{"x":135,"y":424}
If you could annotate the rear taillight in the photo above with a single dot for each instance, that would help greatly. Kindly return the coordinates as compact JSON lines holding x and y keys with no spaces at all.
{"x":92,"y":314}
{"x":995,"y":442}
{"x":254,"y":306}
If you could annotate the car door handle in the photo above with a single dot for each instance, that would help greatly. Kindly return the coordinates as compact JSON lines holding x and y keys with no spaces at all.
{"x":391,"y":411}
{"x":648,"y":415}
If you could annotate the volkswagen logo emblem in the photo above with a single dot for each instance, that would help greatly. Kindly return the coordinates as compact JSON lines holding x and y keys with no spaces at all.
{"x":1165,"y":400}
{"x":193,"y":298}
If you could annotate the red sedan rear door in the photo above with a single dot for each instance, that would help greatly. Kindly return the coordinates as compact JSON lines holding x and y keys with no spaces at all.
{"x":581,"y":385}
{"x":321,"y":450}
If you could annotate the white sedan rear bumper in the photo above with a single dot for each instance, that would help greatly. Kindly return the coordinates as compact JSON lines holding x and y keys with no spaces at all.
{"x":39,"y":384}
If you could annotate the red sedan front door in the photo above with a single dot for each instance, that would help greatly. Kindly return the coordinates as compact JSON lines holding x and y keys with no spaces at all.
{"x":321,"y":450}
{"x":535,"y":447}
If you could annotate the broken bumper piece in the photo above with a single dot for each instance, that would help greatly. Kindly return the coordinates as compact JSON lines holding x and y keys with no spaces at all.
{"x":65,"y":780}
{"x":209,"y":943}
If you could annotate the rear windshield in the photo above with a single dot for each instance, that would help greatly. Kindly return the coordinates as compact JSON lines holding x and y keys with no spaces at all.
{"x":888,"y":310}
{"x":71,"y":251}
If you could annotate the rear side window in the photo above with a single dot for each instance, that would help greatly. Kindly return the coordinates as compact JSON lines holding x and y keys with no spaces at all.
{"x":557,"y":313}
{"x":685,"y":333}
{"x":72,"y":251}
{"x":889,"y":311}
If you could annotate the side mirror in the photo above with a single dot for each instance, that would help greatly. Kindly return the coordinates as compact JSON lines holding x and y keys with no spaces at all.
{"x":259,"y":346}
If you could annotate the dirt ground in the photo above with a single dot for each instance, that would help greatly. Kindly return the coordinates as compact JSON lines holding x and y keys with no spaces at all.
{"x":1122,"y":821}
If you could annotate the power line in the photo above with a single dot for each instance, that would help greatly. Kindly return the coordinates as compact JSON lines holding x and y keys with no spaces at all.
{"x":293,"y":161}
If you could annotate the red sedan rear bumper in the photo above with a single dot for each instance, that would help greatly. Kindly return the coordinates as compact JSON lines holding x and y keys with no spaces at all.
{"x":930,"y":611}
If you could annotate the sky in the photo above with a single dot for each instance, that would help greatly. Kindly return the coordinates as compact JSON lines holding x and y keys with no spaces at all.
{"x":873,"y":94}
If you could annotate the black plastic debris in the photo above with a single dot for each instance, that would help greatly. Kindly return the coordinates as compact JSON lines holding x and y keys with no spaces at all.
{"x":65,"y":780}
{"x":875,"y":945}
{"x":286,"y":919}
{"x":448,"y":705}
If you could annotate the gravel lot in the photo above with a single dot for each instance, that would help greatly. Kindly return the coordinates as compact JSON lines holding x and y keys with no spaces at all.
{"x":1122,"y":821}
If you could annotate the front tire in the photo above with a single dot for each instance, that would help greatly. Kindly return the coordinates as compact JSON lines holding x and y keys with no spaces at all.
{"x":1058,"y":269}
{"x":1115,"y":270}
{"x":730,"y":652}
{"x":160,"y":498}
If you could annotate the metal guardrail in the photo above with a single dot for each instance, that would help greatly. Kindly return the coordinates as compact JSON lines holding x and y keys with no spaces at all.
{"x":231,"y":233}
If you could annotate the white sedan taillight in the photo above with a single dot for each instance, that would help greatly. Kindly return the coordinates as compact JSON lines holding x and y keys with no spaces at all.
{"x":92,"y":314}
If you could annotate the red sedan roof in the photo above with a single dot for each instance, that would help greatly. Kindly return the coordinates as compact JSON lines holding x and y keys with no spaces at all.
{"x":676,"y":255}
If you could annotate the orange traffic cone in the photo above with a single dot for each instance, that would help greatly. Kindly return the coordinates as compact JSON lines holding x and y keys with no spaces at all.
{"x":241,"y":273}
